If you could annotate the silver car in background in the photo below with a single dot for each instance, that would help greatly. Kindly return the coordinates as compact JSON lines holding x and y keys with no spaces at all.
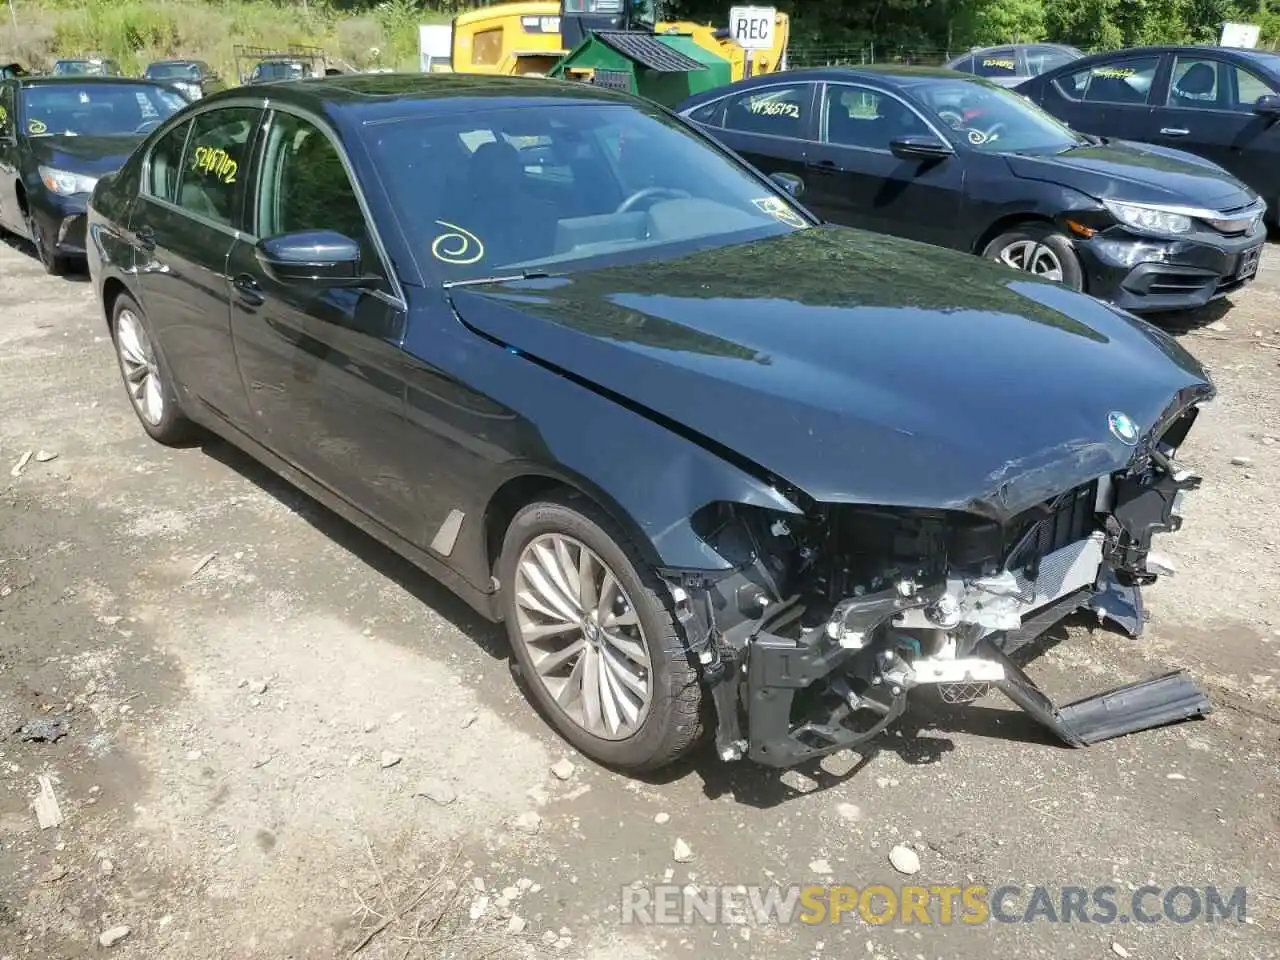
{"x":1010,"y":65}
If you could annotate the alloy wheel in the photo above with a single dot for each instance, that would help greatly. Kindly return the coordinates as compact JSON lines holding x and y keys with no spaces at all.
{"x":1032,"y":257}
{"x":583,"y":636}
{"x":138,"y":363}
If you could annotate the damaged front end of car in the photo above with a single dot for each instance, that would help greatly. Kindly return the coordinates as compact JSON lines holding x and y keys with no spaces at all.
{"x":827,"y":621}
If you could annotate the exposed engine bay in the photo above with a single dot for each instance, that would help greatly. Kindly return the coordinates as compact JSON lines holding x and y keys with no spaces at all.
{"x":827,"y":622}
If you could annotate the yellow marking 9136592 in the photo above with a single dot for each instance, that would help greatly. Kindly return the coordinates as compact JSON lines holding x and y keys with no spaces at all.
{"x":215,"y":162}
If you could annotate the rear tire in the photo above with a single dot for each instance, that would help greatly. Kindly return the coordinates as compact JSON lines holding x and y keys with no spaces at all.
{"x":548,"y":612}
{"x":146,"y":379}
{"x":1040,"y":250}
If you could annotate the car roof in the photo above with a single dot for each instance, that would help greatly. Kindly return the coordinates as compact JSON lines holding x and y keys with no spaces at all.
{"x":49,"y":80}
{"x":365,"y":97}
{"x":1262,"y":57}
{"x":898,"y":75}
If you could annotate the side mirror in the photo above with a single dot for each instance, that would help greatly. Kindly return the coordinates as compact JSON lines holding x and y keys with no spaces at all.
{"x":1267,"y":106}
{"x":321,"y":258}
{"x":920,"y":147}
{"x":789,"y":182}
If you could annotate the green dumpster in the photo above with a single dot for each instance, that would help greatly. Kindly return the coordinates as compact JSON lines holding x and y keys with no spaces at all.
{"x":665,"y":68}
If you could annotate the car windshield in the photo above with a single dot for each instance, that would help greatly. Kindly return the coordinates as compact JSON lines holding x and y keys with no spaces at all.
{"x":280,"y":70}
{"x":994,"y":119}
{"x":172,"y":71}
{"x":96,"y":109}
{"x":78,"y":68}
{"x":550,"y":187}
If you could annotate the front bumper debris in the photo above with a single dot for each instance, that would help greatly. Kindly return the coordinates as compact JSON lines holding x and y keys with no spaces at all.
{"x":782,"y":700}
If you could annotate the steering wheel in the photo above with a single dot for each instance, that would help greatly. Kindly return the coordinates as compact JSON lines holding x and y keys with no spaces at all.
{"x":646,"y":192}
{"x":146,"y":125}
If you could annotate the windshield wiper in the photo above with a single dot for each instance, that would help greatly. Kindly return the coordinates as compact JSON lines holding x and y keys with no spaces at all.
{"x":503,"y":278}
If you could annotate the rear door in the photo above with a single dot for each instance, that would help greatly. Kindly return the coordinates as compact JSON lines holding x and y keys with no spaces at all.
{"x":188,"y":213}
{"x":1111,"y":98}
{"x":771,"y":126}
{"x":322,"y":365}
{"x":1207,"y":109}
{"x":853,"y":177}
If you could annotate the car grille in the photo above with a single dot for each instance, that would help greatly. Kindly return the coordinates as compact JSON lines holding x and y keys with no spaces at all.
{"x":1055,"y":524}
{"x":1237,"y":220}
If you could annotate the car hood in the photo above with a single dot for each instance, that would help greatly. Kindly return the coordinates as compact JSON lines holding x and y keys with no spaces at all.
{"x":92,"y":156}
{"x":857,"y":367}
{"x":1138,"y":173}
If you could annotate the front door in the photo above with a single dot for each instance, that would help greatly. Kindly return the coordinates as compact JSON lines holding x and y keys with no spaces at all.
{"x":182,"y":229}
{"x":854,"y":178}
{"x":322,"y":365}
{"x":1208,"y":110}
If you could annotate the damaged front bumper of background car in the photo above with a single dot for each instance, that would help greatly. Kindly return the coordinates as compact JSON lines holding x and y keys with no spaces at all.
{"x":828,"y":621}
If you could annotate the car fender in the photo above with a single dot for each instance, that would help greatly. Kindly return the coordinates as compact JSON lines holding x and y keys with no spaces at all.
{"x":1037,"y":200}
{"x":530,"y":421}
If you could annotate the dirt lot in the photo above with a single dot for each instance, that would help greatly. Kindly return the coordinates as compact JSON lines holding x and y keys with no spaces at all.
{"x":281,"y":741}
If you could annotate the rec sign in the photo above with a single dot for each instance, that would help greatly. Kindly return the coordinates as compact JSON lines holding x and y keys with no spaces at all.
{"x":752,"y":27}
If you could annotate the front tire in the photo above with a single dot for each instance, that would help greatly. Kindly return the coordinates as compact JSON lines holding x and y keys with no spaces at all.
{"x":595,"y":639}
{"x":54,"y":263}
{"x":1040,"y":250}
{"x":145,"y":377}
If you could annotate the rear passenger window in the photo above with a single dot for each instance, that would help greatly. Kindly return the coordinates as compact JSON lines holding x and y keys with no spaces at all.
{"x":778,"y":111}
{"x":216,"y":162}
{"x":166,"y":163}
{"x":997,"y":63}
{"x":1120,"y":81}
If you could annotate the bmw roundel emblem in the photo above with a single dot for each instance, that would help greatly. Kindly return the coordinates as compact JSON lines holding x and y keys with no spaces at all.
{"x":1122,"y":428}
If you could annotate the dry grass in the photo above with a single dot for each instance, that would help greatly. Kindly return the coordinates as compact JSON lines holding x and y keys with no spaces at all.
{"x":135,"y":32}
{"x":422,"y":912}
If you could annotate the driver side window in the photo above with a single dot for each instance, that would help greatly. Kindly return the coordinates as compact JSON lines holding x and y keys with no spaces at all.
{"x":866,"y":118}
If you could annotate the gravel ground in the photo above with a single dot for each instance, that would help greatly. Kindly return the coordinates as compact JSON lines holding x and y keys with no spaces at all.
{"x":276,"y":739}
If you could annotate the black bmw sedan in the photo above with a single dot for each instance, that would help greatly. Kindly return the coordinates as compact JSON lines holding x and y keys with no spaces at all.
{"x":58,"y":136}
{"x":956,"y":161}
{"x":713,"y":463}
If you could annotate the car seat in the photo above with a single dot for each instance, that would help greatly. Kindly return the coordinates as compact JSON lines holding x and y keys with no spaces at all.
{"x":511,"y":223}
{"x":1197,"y":85}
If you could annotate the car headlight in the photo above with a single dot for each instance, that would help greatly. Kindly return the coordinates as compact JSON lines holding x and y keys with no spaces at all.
{"x":67,"y":184}
{"x":1149,"y":219}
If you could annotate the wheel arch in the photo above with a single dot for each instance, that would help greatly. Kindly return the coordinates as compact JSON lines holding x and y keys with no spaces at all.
{"x":1008,"y":222}
{"x":112,"y":288}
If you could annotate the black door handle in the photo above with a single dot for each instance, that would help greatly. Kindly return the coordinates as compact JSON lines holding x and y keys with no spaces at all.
{"x":146,"y":238}
{"x":248,"y":291}
{"x":824,"y":166}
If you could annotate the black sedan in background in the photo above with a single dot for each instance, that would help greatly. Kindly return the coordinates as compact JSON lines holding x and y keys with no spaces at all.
{"x":194,"y":78}
{"x":1011,"y":65}
{"x":1220,"y":103}
{"x":931,"y":155}
{"x":710,"y":461}
{"x":58,"y":136}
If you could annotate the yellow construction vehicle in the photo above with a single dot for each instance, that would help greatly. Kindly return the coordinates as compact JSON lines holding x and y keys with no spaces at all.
{"x":528,"y":37}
